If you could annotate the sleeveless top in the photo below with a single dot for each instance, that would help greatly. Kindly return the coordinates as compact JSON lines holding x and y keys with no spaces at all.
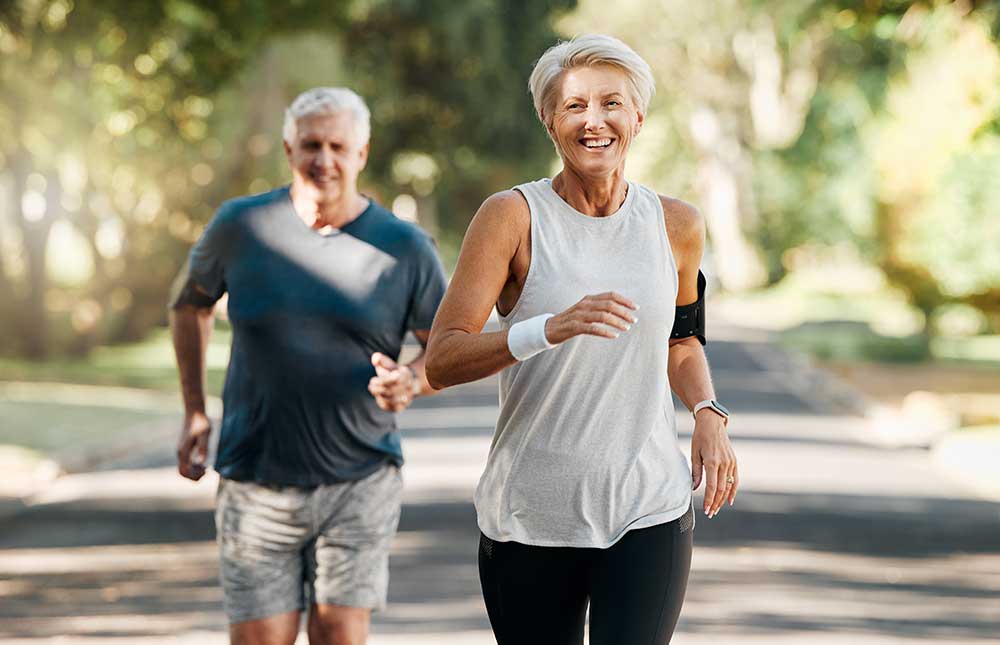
{"x":586,"y":447}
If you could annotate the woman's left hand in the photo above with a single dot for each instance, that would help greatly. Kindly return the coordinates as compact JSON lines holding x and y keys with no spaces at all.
{"x":711,"y":450}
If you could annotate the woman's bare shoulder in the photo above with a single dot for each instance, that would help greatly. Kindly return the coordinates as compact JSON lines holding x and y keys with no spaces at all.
{"x":507,"y":208}
{"x":685,"y":224}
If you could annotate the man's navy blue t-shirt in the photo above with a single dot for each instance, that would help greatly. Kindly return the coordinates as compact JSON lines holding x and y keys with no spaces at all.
{"x":308,"y":310}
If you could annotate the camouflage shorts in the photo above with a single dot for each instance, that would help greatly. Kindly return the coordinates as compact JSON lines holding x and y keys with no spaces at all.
{"x":283,"y":547}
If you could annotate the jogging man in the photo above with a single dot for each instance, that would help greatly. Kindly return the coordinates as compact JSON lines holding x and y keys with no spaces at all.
{"x":323,"y":284}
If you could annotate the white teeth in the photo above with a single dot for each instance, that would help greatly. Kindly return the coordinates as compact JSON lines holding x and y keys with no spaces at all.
{"x":597,"y":143}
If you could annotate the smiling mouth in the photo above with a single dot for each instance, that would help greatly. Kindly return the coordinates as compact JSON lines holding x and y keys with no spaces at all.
{"x":597,"y":144}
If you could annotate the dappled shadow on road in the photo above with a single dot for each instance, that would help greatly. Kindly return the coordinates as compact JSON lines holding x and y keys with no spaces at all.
{"x":123,"y":590}
{"x":914,"y":568}
{"x":901,"y":527}
{"x":120,"y":569}
{"x":779,"y":564}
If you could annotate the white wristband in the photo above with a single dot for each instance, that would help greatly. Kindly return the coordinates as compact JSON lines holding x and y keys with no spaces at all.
{"x":527,"y":338}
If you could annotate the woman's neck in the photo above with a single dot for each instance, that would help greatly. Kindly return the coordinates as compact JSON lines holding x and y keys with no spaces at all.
{"x":594,"y":196}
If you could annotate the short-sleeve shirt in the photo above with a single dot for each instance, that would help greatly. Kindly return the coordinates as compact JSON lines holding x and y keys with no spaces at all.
{"x":308,"y":310}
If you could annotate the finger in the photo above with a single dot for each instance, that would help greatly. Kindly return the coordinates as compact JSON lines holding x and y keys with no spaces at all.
{"x":622,"y":312}
{"x":609,"y":319}
{"x":711,"y":487}
{"x":617,"y":297}
{"x":388,"y":377}
{"x":723,"y":490}
{"x":183,"y":455}
{"x":597,"y":329}
{"x":695,"y":471}
{"x":385,"y":383}
{"x":393,"y":377}
{"x":383,"y":364}
{"x":616,"y":309}
{"x":201,"y":449}
{"x":736,"y":484}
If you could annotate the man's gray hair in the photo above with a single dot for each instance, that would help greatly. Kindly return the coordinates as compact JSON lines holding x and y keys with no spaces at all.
{"x":328,"y":100}
{"x":588,"y":51}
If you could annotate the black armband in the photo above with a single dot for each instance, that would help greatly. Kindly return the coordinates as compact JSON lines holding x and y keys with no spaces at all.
{"x":689,"y":320}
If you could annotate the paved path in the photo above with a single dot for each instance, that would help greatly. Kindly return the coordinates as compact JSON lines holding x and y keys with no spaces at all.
{"x":832,"y":541}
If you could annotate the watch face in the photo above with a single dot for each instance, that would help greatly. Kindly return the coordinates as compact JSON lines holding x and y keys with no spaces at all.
{"x":720,"y":407}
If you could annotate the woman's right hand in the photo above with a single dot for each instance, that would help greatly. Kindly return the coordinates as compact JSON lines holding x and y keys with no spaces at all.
{"x":603,"y":314}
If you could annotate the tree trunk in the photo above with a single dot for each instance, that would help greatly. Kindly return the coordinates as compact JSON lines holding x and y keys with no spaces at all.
{"x":30,"y":316}
{"x":721,"y":187}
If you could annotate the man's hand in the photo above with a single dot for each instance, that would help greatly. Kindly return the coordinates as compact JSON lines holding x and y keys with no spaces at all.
{"x":393,"y":385}
{"x":710,"y":448}
{"x":192,"y":449}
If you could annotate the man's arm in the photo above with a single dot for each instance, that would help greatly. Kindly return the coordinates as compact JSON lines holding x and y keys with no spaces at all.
{"x":421,"y":386}
{"x":191,"y":327}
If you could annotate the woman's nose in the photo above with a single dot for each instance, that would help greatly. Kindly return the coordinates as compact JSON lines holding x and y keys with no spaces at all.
{"x":595,"y":117}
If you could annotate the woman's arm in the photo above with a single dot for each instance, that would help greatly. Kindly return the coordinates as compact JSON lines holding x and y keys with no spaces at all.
{"x":687,"y":365}
{"x":457,"y":351}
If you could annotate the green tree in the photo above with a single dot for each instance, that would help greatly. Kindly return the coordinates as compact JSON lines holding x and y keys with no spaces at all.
{"x":905,"y":134}
{"x":123,"y":126}
{"x":104,"y":111}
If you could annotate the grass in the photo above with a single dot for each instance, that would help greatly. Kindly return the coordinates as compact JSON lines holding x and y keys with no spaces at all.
{"x":818,"y":313}
{"x":855,"y":325}
{"x":95,"y":404}
{"x":61,"y":429}
{"x":148,"y":364}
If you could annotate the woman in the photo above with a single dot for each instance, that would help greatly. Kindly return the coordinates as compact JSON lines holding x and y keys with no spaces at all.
{"x":586,"y":496}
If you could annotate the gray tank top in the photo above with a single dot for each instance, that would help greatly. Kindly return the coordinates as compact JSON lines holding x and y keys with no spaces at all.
{"x":586,"y":446}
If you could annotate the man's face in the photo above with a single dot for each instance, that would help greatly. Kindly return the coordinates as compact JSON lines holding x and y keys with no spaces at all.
{"x":326,"y":156}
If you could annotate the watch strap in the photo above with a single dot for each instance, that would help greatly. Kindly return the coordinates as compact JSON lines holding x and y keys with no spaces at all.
{"x":713,"y":405}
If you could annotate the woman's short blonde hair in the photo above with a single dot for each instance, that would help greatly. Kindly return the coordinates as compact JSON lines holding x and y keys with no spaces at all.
{"x":588,"y":51}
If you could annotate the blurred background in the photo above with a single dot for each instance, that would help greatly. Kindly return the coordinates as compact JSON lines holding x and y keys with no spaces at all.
{"x":844,"y":153}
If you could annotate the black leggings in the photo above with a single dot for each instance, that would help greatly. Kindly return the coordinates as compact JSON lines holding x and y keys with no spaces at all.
{"x":539,"y":594}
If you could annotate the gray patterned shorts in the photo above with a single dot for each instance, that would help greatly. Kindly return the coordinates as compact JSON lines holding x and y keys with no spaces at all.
{"x":281,"y":546}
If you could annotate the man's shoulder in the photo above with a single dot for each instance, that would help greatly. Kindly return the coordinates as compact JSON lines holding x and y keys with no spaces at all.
{"x":394,"y":230}
{"x":239,"y":207}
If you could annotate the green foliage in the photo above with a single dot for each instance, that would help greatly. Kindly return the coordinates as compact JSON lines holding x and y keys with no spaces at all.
{"x":124,"y":125}
{"x":854,"y":341}
{"x":957,"y":236}
{"x":148,"y":364}
{"x":896,"y":151}
{"x":447,"y":84}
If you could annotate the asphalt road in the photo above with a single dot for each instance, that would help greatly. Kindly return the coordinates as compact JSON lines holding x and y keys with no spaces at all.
{"x":833,"y":540}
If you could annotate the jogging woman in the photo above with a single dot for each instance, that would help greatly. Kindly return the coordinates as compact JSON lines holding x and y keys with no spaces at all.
{"x":587,"y":498}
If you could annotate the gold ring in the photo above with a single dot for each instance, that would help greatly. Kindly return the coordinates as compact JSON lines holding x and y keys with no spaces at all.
{"x":730,"y":480}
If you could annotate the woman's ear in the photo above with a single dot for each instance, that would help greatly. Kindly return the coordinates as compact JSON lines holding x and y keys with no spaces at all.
{"x":545,"y":121}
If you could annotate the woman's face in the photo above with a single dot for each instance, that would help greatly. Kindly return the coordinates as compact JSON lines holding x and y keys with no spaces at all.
{"x":594,"y":119}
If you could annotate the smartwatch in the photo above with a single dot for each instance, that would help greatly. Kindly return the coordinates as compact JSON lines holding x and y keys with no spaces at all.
{"x":715,"y":406}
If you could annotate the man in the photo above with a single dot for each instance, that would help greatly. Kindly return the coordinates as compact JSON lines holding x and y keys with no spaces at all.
{"x":323,"y":284}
